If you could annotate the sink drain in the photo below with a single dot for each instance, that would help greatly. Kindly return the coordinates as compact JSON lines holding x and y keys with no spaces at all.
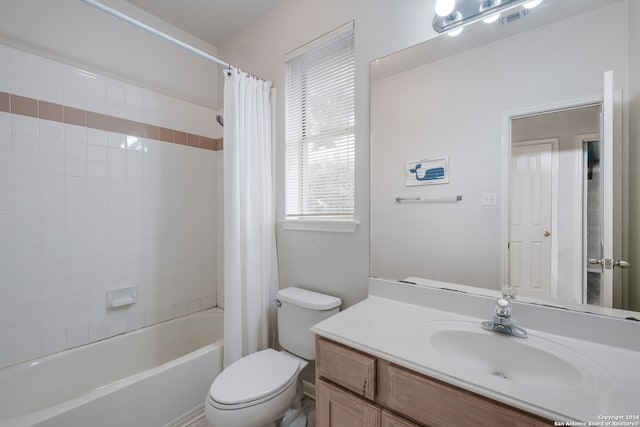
{"x":500,"y":374}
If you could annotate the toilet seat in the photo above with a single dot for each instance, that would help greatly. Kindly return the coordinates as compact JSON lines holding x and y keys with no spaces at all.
{"x":253,"y":379}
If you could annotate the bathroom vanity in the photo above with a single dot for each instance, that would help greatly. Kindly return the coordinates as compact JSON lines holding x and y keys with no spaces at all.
{"x":411,"y":355}
{"x":358,"y":388}
{"x":417,"y":355}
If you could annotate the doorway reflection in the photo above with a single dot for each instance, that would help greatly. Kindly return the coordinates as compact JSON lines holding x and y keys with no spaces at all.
{"x":592,"y":185}
{"x":555,"y":205}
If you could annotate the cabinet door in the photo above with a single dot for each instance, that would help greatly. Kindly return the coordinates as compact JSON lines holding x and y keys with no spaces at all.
{"x":349,"y":368}
{"x":441,"y":405}
{"x":389,"y":419}
{"x":338,"y":408}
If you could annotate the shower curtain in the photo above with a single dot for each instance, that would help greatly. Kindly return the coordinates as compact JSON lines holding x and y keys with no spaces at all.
{"x":250,"y":264}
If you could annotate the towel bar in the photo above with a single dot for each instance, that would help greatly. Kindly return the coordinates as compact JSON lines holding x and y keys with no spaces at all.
{"x":435,"y":199}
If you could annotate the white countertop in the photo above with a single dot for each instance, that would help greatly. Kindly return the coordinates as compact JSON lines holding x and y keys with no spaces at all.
{"x":391,"y":330}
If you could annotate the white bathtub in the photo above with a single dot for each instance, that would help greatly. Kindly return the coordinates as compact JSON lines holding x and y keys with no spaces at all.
{"x":149,"y":377}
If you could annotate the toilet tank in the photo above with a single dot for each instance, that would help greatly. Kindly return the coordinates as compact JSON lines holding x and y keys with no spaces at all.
{"x":298,"y":310}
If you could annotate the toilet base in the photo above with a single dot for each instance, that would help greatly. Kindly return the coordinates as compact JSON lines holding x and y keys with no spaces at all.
{"x":293,"y":418}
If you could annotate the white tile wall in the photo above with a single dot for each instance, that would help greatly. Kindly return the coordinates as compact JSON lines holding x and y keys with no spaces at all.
{"x":84,"y":210}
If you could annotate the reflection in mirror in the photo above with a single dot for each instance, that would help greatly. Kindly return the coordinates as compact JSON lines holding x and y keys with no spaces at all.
{"x":460,"y":99}
{"x":549,"y":205}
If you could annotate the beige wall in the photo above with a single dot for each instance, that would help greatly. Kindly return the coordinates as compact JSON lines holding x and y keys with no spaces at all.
{"x":330,"y":262}
{"x":334,"y":263}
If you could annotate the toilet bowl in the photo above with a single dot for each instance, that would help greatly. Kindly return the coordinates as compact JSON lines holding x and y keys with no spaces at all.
{"x":255,"y":390}
{"x":264,"y":388}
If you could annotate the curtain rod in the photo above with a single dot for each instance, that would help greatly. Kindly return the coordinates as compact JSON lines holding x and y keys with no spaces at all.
{"x":158,"y":33}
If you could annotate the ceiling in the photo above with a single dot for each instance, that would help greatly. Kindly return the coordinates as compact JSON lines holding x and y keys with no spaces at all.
{"x":210,"y":20}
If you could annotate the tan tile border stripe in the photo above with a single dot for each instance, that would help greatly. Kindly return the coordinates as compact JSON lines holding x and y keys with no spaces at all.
{"x":30,"y":107}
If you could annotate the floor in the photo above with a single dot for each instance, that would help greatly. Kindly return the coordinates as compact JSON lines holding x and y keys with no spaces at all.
{"x":308,"y":406}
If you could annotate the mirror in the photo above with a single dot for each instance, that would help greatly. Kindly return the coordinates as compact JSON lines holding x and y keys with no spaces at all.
{"x":445,"y":117}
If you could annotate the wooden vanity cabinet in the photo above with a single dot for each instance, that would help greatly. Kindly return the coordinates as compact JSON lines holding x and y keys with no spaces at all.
{"x":351,"y":369}
{"x":357,"y":389}
{"x":336,"y":407}
{"x":389,"y":419}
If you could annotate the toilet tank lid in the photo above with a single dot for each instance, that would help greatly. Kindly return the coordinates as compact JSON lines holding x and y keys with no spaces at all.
{"x":308,"y":299}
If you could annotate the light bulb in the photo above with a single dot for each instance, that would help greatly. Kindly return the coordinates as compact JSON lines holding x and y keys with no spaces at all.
{"x":445,"y":7}
{"x":491,"y":18}
{"x":531,"y":4}
{"x":455,"y":32}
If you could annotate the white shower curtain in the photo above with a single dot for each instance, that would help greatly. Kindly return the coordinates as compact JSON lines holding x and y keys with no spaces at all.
{"x":250,"y":264}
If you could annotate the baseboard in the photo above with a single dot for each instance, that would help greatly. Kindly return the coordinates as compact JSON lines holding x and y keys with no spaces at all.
{"x":309,"y":389}
{"x":186,"y":419}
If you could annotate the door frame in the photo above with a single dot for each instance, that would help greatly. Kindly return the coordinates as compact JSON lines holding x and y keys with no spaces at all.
{"x":615,"y":292}
{"x":505,"y":169}
{"x":583,"y":268}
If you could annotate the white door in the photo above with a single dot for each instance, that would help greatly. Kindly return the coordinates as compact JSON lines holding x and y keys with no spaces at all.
{"x":607,"y":190}
{"x":532,"y":204}
{"x":611,"y":210}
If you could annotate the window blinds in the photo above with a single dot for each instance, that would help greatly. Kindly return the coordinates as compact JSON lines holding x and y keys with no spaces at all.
{"x":320,"y":118}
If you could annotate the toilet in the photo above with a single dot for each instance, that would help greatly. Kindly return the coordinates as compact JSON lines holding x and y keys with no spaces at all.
{"x":264,"y":389}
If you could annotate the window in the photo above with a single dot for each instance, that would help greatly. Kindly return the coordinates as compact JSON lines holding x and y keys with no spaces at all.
{"x":320,"y":119}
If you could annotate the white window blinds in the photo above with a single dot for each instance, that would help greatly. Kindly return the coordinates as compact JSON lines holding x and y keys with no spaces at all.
{"x":320,"y":118}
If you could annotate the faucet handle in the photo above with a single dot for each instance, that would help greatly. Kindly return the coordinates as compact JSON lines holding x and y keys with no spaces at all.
{"x":503,"y":307}
{"x":509,"y":291}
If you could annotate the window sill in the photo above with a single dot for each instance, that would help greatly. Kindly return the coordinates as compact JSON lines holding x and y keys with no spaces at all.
{"x":325,"y":225}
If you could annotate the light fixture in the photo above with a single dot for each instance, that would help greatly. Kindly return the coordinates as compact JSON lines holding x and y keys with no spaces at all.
{"x":491,"y":18}
{"x":489,"y":4}
{"x":531,"y":4}
{"x":452,"y":18}
{"x":455,"y":32}
{"x":445,"y":7}
{"x":451,"y":14}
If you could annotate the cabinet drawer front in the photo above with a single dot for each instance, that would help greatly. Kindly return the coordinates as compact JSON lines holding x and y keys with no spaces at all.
{"x":339,"y":408}
{"x":353,"y":370}
{"x":389,"y":419}
{"x":436,"y":404}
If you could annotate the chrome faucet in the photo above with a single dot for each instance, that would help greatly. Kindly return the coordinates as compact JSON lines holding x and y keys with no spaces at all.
{"x":502,"y":320}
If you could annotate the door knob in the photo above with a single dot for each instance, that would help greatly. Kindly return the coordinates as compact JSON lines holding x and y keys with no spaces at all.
{"x":621,"y":263}
{"x":547,"y":233}
{"x":609,"y":263}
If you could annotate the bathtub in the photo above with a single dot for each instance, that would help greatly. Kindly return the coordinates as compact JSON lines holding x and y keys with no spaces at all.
{"x":154,"y":376}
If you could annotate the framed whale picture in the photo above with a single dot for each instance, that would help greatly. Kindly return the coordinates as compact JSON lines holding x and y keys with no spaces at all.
{"x":427,"y":172}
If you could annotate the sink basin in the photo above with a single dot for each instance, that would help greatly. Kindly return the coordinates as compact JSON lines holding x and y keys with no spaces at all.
{"x":532,"y":362}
